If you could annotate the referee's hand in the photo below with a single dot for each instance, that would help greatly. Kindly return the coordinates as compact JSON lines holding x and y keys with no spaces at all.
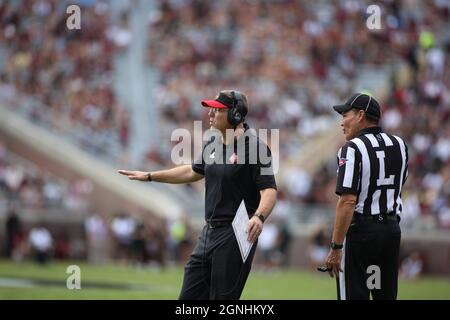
{"x":333,"y":262}
{"x":135,"y":175}
{"x":254,"y":229}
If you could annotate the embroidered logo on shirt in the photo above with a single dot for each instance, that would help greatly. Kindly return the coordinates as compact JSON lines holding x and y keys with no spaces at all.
{"x":342,"y":161}
{"x":233,"y":158}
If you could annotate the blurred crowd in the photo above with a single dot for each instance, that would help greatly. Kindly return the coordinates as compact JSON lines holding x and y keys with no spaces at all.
{"x":28,"y":192}
{"x":274,"y":244}
{"x":294,"y":59}
{"x":69,"y":74}
{"x":25,"y":185}
{"x":121,"y":238}
{"x":138,"y":240}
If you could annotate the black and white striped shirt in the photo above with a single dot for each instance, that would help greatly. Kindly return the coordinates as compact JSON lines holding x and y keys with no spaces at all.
{"x":373,"y":166}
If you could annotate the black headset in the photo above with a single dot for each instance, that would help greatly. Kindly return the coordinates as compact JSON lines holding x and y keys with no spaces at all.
{"x":237,"y":113}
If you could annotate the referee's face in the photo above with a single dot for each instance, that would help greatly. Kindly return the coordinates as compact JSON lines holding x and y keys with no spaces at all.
{"x":351,"y":123}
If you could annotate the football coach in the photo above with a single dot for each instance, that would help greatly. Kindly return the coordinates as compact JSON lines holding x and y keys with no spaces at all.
{"x":215,"y":269}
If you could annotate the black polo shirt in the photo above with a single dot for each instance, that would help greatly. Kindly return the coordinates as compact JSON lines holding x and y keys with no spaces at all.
{"x":229,"y":179}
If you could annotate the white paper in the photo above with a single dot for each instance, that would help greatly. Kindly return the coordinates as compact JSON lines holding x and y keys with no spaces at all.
{"x":240,"y":224}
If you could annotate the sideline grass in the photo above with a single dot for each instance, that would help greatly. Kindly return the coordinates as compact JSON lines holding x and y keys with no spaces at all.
{"x":154,"y":284}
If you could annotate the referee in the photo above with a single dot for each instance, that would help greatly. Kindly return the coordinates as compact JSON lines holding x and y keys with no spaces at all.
{"x":372,"y":168}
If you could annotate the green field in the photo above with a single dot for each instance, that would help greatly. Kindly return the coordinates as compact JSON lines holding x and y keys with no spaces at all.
{"x":30,"y":281}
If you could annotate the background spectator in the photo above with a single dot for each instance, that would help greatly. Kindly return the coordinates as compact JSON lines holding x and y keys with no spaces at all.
{"x":41,"y":242}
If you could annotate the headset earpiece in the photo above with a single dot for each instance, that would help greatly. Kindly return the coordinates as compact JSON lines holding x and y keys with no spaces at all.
{"x":238,"y":112}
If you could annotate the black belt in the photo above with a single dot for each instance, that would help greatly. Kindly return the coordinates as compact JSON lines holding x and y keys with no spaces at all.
{"x":212,"y":224}
{"x":375,"y":217}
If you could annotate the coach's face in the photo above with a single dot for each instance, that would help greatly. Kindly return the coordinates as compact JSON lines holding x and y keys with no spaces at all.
{"x":351,"y":123}
{"x":218,"y":118}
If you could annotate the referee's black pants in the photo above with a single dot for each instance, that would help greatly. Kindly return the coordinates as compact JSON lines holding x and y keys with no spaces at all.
{"x":371,"y":245}
{"x":215,"y":269}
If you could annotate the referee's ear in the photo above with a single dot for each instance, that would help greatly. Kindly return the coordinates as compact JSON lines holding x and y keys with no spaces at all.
{"x":361,"y":114}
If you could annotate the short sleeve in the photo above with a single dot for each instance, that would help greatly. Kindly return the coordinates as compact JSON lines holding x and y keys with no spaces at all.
{"x":405,"y":175}
{"x":348,"y":172}
{"x":263,"y":170}
{"x":199,"y":164}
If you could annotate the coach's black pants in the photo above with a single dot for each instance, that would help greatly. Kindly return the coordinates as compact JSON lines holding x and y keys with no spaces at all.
{"x":215,"y":269}
{"x":371,"y":245}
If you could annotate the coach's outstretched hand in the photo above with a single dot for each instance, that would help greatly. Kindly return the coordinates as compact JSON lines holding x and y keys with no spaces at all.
{"x":135,"y":175}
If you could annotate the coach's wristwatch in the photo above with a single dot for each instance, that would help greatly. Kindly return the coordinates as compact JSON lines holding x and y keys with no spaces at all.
{"x":260,"y":216}
{"x":335,"y":245}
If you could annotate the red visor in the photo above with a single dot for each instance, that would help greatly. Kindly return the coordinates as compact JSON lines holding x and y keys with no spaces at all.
{"x":213,"y":104}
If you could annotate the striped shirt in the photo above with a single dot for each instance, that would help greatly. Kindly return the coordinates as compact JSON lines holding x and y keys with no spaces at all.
{"x":373,"y":166}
